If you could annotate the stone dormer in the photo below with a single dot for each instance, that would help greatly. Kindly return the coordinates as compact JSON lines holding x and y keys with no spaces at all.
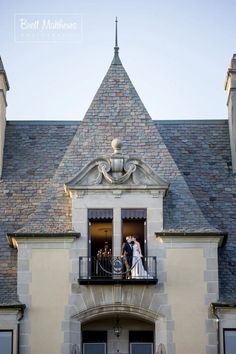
{"x":119,"y":187}
{"x":230,"y":87}
{"x":4,"y":87}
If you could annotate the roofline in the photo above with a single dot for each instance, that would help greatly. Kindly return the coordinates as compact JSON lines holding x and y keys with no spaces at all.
{"x":43,"y":122}
{"x":191,"y":121}
{"x":189,"y":233}
{"x":160,"y":121}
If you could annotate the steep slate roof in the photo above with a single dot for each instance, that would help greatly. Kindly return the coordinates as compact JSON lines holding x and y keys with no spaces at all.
{"x":193,"y":157}
{"x":117,"y":111}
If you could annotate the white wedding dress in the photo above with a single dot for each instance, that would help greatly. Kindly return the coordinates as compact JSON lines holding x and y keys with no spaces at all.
{"x":137,"y":270}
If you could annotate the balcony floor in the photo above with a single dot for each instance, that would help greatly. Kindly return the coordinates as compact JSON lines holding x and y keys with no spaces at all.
{"x":107,"y":281}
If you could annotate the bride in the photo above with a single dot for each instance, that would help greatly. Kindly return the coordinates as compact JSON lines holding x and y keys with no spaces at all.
{"x":137,"y":270}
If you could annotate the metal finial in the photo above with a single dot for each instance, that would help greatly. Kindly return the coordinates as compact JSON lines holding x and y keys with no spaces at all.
{"x":116,"y":59}
{"x":116,"y":40}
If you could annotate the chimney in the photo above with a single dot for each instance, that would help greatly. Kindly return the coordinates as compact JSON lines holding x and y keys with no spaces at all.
{"x":230,"y":87}
{"x":4,"y":87}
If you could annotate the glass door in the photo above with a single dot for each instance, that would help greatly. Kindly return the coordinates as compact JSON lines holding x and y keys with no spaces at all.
{"x":94,"y":342}
{"x":94,"y":348}
{"x":141,"y":342}
{"x":141,"y":348}
{"x":100,"y":242}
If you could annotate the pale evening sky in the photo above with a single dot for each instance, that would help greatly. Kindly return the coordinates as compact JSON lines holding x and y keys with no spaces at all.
{"x":176,"y":53}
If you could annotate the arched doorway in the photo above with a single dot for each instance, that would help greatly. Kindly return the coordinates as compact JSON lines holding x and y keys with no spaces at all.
{"x":117,"y":333}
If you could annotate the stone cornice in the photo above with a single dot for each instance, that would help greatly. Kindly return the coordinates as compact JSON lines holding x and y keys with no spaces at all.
{"x":192,"y":237}
{"x":219,"y":305}
{"x":15,"y":238}
{"x":13,"y":309}
{"x":220,"y":310}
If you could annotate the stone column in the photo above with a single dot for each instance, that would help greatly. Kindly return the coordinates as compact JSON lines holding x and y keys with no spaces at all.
{"x":116,"y":232}
{"x":4,"y":87}
{"x":230,"y":87}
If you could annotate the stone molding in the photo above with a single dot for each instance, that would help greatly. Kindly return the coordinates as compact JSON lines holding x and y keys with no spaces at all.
{"x":188,"y":239}
{"x":129,"y":310}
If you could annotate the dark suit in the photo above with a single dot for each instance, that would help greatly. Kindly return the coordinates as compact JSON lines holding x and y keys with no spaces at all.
{"x":127,"y":253}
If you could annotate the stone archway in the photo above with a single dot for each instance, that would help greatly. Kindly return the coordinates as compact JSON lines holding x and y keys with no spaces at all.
{"x":129,"y":310}
{"x":100,"y":316}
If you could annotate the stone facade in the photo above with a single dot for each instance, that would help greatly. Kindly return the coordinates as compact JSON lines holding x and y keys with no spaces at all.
{"x":53,"y":173}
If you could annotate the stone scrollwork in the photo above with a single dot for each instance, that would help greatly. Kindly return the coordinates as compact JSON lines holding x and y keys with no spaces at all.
{"x":114,"y":171}
{"x":103,"y":170}
{"x":120,"y":170}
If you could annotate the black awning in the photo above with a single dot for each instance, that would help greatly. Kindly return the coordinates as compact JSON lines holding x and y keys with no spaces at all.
{"x":133,"y":214}
{"x":100,"y":214}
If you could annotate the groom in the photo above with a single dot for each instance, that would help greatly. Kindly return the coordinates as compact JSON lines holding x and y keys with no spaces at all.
{"x":127,"y":253}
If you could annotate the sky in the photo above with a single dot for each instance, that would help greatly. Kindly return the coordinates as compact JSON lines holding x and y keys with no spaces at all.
{"x":175,"y":52}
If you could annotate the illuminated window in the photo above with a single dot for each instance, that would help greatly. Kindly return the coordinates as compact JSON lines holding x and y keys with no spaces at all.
{"x":229,"y":340}
{"x":134,"y":223}
{"x":6,"y":338}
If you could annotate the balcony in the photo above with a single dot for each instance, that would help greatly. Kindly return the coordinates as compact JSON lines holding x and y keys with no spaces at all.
{"x":114,"y":270}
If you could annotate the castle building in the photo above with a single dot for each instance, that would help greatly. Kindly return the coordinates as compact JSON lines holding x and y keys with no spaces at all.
{"x":74,"y":196}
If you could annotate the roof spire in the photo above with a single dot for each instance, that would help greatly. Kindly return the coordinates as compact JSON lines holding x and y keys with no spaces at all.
{"x":116,"y":40}
{"x":116,"y":59}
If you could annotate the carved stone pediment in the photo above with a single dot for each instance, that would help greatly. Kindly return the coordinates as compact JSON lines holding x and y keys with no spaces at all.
{"x":116,"y":171}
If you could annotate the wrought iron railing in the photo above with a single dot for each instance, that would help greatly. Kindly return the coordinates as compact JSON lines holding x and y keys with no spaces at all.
{"x":118,"y":268}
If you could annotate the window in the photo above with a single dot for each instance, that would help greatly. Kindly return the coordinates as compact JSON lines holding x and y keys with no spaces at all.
{"x":6,"y":338}
{"x":100,"y":230}
{"x":229,"y":340}
{"x":141,"y":342}
{"x":100,"y":241}
{"x":141,"y":348}
{"x":134,"y":223}
{"x":94,"y":348}
{"x":94,"y":342}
